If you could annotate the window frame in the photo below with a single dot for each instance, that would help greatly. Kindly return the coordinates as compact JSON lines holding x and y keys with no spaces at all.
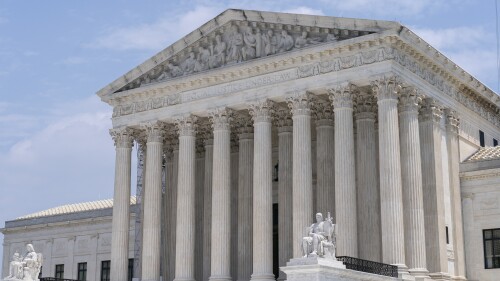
{"x":482,"y":141}
{"x":82,"y":271}
{"x":59,"y":271}
{"x":107,"y":269}
{"x":495,"y":256}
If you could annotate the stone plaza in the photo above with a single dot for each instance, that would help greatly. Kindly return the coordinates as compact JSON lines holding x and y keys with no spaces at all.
{"x":256,"y":121}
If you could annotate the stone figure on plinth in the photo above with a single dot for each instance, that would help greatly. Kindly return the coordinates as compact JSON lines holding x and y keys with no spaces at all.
{"x":321,"y":239}
{"x":26,"y":268}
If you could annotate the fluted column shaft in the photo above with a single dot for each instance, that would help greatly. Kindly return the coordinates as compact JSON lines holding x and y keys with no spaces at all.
{"x":207,"y":208}
{"x":262,"y":193}
{"x":302,"y":169}
{"x":456,"y":197}
{"x":172,"y":191}
{"x":411,"y":175}
{"x":184,"y":254}
{"x":325,"y":157}
{"x":152,"y":203}
{"x":245,"y":188}
{"x":393,"y":251}
{"x":285,"y":182}
{"x":121,"y":204}
{"x":369,"y":232}
{"x":345,"y":177}
{"x":221,"y":193}
{"x":432,"y":186}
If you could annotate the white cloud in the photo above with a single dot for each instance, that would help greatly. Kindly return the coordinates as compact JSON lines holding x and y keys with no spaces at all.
{"x":155,"y":35}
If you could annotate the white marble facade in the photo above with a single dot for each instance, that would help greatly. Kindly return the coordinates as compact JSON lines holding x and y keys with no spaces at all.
{"x":312,"y":113}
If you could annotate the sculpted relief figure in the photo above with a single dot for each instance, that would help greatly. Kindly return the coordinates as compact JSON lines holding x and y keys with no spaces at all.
{"x":270,"y":42}
{"x":248,"y":51}
{"x":286,"y":42}
{"x":235,"y":43}
{"x":189,"y":63}
{"x":26,"y":268}
{"x":203,"y":59}
{"x":219,"y":53}
{"x":303,"y":41}
{"x":321,"y":239}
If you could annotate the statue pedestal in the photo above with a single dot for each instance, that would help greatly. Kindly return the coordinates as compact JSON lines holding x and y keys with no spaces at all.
{"x":321,"y":269}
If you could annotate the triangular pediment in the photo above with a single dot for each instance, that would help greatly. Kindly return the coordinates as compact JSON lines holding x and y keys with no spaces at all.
{"x":238,"y":36}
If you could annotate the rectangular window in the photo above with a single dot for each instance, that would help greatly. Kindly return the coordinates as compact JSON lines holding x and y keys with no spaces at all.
{"x":82,"y":271}
{"x":105,"y":269}
{"x":130,"y":269}
{"x":495,"y":142}
{"x":59,"y":271}
{"x":481,"y":138}
{"x":491,"y":241}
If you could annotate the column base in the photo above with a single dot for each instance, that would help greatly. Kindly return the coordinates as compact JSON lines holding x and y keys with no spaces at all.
{"x":420,"y":274}
{"x":262,"y":277}
{"x":281,"y":276}
{"x":458,"y":278}
{"x":440,"y":276}
{"x":220,"y":278}
{"x":403,"y":272}
{"x":178,"y":279}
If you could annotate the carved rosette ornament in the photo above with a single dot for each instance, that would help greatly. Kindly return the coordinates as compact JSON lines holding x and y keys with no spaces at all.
{"x":262,"y":111}
{"x":155,"y":131}
{"x":430,"y":110}
{"x":365,"y":106}
{"x":387,"y":87}
{"x":409,"y":100}
{"x":452,"y":121}
{"x":300,"y":103}
{"x":186,"y":125}
{"x":123,"y":137}
{"x":341,"y":96}
{"x":221,"y":118}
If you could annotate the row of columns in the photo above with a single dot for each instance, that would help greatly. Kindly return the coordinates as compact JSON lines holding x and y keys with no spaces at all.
{"x":396,"y":220}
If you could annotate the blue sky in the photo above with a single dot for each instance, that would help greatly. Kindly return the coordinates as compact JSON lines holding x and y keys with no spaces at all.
{"x":54,"y":55}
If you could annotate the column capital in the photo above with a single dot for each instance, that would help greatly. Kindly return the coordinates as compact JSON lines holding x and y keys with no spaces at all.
{"x":123,"y":137}
{"x":262,"y":111}
{"x":341,"y":95}
{"x":431,"y":110}
{"x":199,"y":147}
{"x":299,"y":103}
{"x":186,"y":125}
{"x":323,"y":111}
{"x":205,"y":131}
{"x":243,"y":125}
{"x":283,"y":119}
{"x":409,"y":100}
{"x":365,"y":105}
{"x":155,"y":131}
{"x":220,"y":118}
{"x":452,"y":120}
{"x":387,"y":87}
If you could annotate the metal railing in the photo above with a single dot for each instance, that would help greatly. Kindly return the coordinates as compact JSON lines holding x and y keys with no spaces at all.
{"x":369,"y":266}
{"x":55,"y":279}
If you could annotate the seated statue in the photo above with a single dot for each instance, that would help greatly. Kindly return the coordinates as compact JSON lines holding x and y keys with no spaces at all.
{"x":321,"y":239}
{"x":26,"y":268}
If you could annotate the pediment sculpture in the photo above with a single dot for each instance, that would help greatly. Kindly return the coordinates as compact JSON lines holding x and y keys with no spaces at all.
{"x":27,"y":267}
{"x":237,"y":42}
{"x":320,"y":241}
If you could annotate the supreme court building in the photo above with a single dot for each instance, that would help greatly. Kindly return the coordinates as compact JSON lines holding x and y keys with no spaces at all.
{"x":252,"y":123}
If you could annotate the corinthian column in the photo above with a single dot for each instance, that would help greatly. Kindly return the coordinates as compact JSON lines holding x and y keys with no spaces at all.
{"x":221,"y":193}
{"x":345,"y":177}
{"x":285,"y":182}
{"x":369,"y":233}
{"x":325,"y":157}
{"x":245,"y":188}
{"x":207,"y":202}
{"x":456,"y":198}
{"x":302,"y":198}
{"x":262,"y":192}
{"x":432,"y":186}
{"x":393,"y":248}
{"x":121,"y":203}
{"x":152,"y":203}
{"x":411,"y":175}
{"x":184,"y":254}
{"x":172,"y":158}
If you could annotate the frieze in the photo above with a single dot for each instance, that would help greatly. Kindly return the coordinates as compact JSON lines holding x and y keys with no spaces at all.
{"x":236,"y":42}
